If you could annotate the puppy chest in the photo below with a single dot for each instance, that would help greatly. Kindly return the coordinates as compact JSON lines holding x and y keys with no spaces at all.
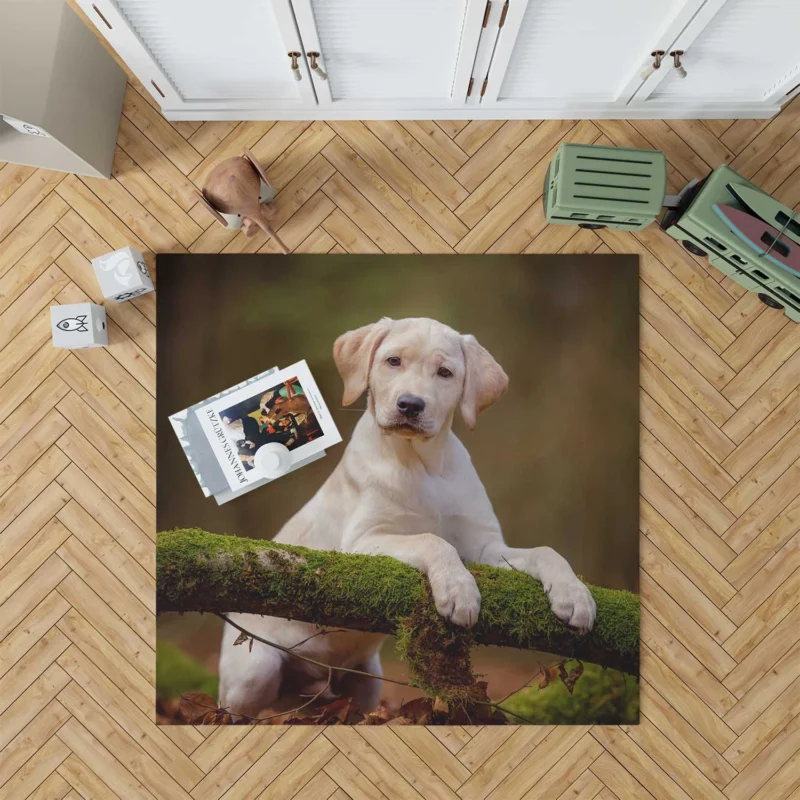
{"x":435,"y":506}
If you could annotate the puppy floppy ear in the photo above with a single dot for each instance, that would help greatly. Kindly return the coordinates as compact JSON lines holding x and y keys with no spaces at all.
{"x":353,"y":352}
{"x":484,"y":381}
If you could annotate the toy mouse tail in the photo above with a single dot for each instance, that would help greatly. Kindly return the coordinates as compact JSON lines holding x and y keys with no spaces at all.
{"x":267,"y":228}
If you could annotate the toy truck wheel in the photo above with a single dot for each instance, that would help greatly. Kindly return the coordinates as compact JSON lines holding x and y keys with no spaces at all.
{"x":592,"y":226}
{"x":693,"y":248}
{"x":769,"y":301}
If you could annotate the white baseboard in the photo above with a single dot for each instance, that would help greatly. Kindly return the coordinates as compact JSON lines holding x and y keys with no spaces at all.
{"x":648,"y":111}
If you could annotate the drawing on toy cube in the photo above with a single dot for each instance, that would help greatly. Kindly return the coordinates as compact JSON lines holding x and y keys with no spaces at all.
{"x":78,"y":325}
{"x":122,"y":274}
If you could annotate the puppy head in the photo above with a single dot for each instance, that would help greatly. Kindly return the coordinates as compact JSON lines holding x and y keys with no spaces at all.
{"x":418,"y":372}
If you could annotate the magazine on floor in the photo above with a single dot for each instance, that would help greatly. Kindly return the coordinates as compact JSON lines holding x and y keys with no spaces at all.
{"x":283,"y":407}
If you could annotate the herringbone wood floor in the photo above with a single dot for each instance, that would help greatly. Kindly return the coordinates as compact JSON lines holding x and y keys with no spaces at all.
{"x":720,"y":462}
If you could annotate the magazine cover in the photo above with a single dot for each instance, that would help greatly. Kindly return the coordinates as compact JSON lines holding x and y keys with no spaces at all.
{"x":284,"y":408}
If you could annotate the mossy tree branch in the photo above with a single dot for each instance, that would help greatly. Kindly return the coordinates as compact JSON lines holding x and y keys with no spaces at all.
{"x":200,"y":571}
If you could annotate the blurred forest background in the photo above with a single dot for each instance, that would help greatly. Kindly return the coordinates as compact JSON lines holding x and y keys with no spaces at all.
{"x":558,"y":454}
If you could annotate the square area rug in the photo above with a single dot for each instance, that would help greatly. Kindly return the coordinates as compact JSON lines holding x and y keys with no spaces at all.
{"x":398,"y":489}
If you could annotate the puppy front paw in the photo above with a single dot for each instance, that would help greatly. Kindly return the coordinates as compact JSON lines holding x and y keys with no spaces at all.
{"x":573,"y":604}
{"x":456,"y":596}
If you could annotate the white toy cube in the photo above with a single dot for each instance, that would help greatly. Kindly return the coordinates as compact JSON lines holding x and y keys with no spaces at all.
{"x":78,"y":325}
{"x":122,"y":274}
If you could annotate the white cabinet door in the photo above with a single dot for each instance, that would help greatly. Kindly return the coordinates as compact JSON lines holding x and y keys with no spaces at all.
{"x":387,"y":54}
{"x":208,"y":54}
{"x":746,"y":51}
{"x":562,"y":54}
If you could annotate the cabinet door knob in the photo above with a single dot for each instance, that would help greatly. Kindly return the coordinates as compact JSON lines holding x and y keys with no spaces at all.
{"x":294,"y":55}
{"x":676,"y":58}
{"x":657,"y":56}
{"x":315,"y":68}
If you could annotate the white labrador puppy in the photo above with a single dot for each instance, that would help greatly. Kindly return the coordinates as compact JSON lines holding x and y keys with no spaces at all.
{"x":405,"y":487}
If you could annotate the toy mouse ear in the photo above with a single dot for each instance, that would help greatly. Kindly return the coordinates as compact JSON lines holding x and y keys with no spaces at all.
{"x":257,"y":167}
{"x":213,"y":211}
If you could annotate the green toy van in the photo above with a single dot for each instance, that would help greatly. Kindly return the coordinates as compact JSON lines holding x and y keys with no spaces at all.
{"x":702,"y":232}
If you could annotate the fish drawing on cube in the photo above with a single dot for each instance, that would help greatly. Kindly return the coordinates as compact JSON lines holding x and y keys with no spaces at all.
{"x":79,"y":325}
{"x":122,"y":275}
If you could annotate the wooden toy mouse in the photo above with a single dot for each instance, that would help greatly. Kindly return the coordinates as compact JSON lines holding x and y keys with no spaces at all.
{"x":234,"y":194}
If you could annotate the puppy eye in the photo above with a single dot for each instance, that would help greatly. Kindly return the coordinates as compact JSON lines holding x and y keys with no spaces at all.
{"x":393,"y":361}
{"x":444,"y":373}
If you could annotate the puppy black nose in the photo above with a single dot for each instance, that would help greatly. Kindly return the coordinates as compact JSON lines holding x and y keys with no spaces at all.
{"x":410,"y":406}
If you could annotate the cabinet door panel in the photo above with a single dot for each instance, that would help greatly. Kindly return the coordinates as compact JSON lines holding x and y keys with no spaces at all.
{"x":578,"y":52}
{"x":581,"y":50}
{"x":392,"y":52}
{"x":748,"y":51}
{"x":206,"y":53}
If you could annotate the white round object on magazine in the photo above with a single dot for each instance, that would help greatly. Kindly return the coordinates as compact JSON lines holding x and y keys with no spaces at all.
{"x":273,"y":460}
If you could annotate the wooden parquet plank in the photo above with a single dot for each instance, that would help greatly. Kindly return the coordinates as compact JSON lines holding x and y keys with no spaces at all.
{"x":54,"y":787}
{"x":388,"y":168}
{"x":123,"y":638}
{"x":254,"y":763}
{"x":106,"y":772}
{"x":720,"y":449}
{"x":37,"y":699}
{"x":692,"y":635}
{"x":294,"y":780}
{"x":658,"y":712}
{"x":761,"y":588}
{"x":34,"y":736}
{"x":503,"y":761}
{"x":684,"y":556}
{"x":31,"y":593}
{"x":130,"y":609}
{"x":32,"y":192}
{"x":617,"y":780}
{"x":437,"y":143}
{"x":12,"y":176}
{"x":626,"y":751}
{"x":107,"y":515}
{"x":159,"y":131}
{"x":111,"y":483}
{"x":358,"y":786}
{"x":85,"y":783}
{"x":429,"y":171}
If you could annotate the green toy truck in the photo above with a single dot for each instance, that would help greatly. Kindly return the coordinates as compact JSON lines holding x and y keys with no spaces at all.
{"x":609,"y":187}
{"x":702,"y":232}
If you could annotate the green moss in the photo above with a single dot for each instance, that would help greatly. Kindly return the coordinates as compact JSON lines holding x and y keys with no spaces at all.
{"x":600,"y":697}
{"x":513,"y":602}
{"x":178,"y":673}
{"x":200,"y":571}
{"x":331,"y":584}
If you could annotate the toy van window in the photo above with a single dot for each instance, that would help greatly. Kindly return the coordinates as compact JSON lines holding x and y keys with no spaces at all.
{"x":759,"y":274}
{"x":791,"y":225}
{"x":576,"y":214}
{"x":774,"y":244}
{"x":737,"y":259}
{"x":604,"y":216}
{"x":789,"y":294}
{"x":714,"y":243}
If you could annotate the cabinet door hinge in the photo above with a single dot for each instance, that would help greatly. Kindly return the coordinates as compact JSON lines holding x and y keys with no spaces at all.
{"x":469,"y":88}
{"x":483,"y":88}
{"x":486,"y":13}
{"x":503,"y":15}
